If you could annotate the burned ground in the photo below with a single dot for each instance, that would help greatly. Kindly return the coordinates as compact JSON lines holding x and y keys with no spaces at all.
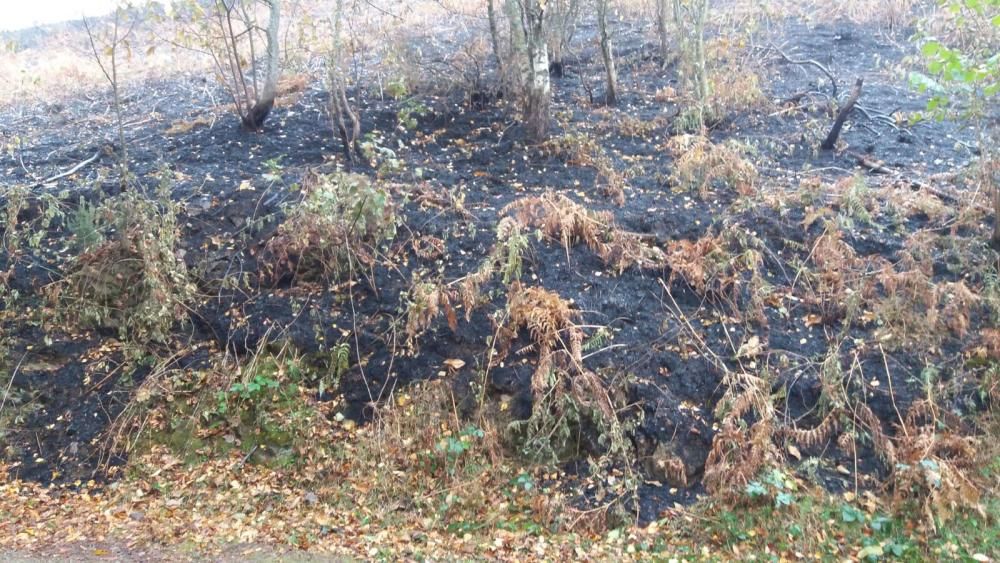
{"x":460,"y":164}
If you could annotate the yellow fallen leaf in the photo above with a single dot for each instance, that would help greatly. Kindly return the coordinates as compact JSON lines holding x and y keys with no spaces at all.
{"x":794,"y":452}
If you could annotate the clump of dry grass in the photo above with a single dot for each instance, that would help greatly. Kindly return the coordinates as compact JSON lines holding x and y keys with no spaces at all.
{"x":420,"y":456}
{"x":735,"y":89}
{"x":701,"y":165}
{"x":187,"y":125}
{"x":734,"y":79}
{"x":889,"y":14}
{"x":639,"y":128}
{"x":968,"y":30}
{"x":935,"y":464}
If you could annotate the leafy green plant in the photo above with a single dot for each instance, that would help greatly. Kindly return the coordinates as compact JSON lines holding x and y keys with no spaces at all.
{"x":855,"y":201}
{"x":454,"y":447}
{"x":342,"y":217}
{"x":84,"y":224}
{"x":250,"y":391}
{"x":963,"y":77}
{"x":18,"y":235}
{"x":408,"y":113}
{"x":960,"y":71}
{"x":397,"y":88}
{"x":135,"y":280}
{"x":775,"y":485}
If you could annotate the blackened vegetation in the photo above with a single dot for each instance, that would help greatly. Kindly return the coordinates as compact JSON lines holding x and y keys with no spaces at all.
{"x":741,"y":285}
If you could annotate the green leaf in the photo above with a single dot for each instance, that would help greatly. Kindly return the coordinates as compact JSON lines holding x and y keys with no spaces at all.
{"x":871,"y":552}
{"x":930,"y":48}
{"x":784,"y":499}
{"x":850,"y":514}
{"x":755,"y":489}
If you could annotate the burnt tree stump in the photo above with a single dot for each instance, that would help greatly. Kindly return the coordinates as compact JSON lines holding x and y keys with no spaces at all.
{"x":838,"y":124}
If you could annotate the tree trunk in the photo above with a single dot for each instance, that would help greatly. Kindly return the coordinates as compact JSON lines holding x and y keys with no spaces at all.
{"x":561,"y":23}
{"x":995,"y":241}
{"x":690,"y":20}
{"x":527,"y":22}
{"x":255,"y":118}
{"x":495,"y":36}
{"x":345,"y":118}
{"x":838,"y":124}
{"x":661,"y":29}
{"x":701,"y":68}
{"x":539,"y":87}
{"x":607,"y":53}
{"x":990,"y":161}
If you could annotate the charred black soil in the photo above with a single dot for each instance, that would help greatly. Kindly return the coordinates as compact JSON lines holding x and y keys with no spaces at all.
{"x":452,"y":172}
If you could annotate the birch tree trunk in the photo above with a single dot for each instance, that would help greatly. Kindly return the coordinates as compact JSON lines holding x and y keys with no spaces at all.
{"x":690,"y":18}
{"x":527,"y":22}
{"x":701,"y":70}
{"x":345,"y":118}
{"x":607,"y":53}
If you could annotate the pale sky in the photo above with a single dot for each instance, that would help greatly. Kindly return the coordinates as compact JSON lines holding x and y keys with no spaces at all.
{"x":18,"y":14}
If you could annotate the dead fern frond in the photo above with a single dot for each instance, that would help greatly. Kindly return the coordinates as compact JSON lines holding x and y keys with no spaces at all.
{"x":744,"y":445}
{"x":935,"y":471}
{"x":542,"y":312}
{"x":700,"y":164}
{"x":693,"y":260}
{"x":864,"y":415}
{"x":427,"y":300}
{"x":927,"y":414}
{"x":813,"y":437}
{"x":559,"y":217}
{"x":738,"y":455}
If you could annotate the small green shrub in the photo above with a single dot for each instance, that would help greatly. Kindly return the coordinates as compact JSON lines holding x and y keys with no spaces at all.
{"x":408,"y":113}
{"x":342,"y":218}
{"x":84,"y":223}
{"x":135,"y":280}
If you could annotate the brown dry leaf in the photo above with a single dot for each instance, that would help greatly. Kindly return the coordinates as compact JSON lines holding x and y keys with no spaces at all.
{"x":454,"y":364}
{"x":794,"y":452}
{"x":751,"y":348}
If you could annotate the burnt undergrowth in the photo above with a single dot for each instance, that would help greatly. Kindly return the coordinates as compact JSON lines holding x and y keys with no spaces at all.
{"x":705,"y":305}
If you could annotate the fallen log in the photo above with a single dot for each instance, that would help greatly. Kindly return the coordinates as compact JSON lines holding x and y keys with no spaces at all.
{"x":838,"y":124}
